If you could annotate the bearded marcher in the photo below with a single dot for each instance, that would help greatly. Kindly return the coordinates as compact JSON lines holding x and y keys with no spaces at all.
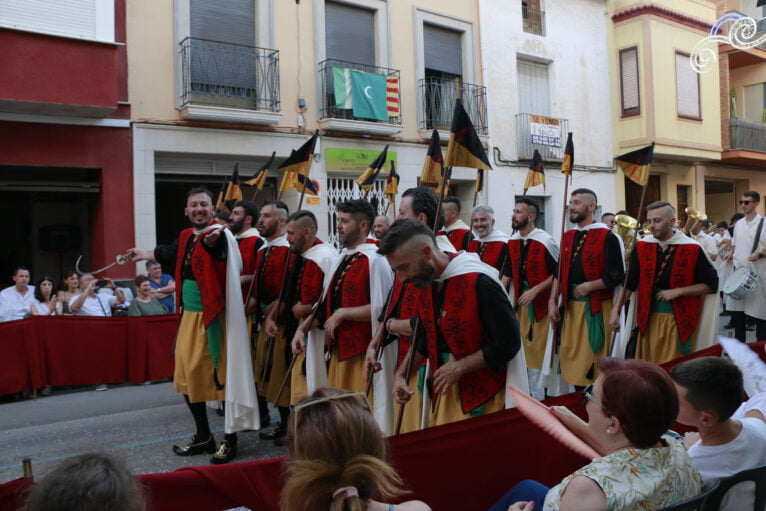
{"x":534,"y":257}
{"x":421,"y":204}
{"x":673,"y":277}
{"x":469,"y":332}
{"x":491,"y":244}
{"x":457,"y":231}
{"x":591,"y":267}
{"x":355,"y":295}
{"x":242,"y":222}
{"x":212,"y":350}
{"x":272,"y":355}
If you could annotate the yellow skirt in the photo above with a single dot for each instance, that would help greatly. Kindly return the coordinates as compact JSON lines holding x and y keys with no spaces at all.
{"x":414,"y":408}
{"x":576,"y":356}
{"x":533,"y":336}
{"x":260,"y":353}
{"x":278,"y":364}
{"x":298,"y":384}
{"x":660,"y":343}
{"x":193,"y":373}
{"x":447,"y":408}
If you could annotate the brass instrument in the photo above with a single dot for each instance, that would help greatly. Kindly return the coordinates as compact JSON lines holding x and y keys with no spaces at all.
{"x":625,"y":228}
{"x":645,"y":231}
{"x":692,"y":217}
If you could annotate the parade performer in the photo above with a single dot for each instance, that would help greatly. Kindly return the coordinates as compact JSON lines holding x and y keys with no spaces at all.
{"x":676,"y":284}
{"x":458,"y":232}
{"x":272,"y":355}
{"x":534,"y":257}
{"x":242,"y":222}
{"x":591,"y":267}
{"x":469,"y":332}
{"x":212,"y":350}
{"x":421,"y":204}
{"x":491,"y":244}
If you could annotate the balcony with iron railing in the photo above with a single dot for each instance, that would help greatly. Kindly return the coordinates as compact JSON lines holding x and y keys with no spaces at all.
{"x":747,"y":141}
{"x":549,"y":137}
{"x":336,"y":117}
{"x":533,"y":20}
{"x":229,"y":82}
{"x":437,"y":102}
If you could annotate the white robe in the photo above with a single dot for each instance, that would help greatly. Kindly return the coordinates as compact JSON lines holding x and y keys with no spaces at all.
{"x":744,"y":235}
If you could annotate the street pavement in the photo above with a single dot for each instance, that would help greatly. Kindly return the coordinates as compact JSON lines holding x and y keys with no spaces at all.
{"x":139,"y":423}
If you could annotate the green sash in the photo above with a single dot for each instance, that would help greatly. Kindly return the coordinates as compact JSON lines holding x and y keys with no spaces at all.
{"x":192,"y":300}
{"x":594,"y":322}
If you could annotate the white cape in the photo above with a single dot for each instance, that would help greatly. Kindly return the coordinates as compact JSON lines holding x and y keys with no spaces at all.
{"x":540,"y":236}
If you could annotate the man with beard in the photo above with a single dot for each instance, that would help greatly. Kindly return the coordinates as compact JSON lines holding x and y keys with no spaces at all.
{"x":271,"y":263}
{"x":490,"y":243}
{"x":211,"y":340}
{"x":242,"y":223}
{"x":591,"y":267}
{"x":671,"y":274}
{"x":381,"y":225}
{"x":457,"y":231}
{"x":355,"y":294}
{"x":467,"y":330}
{"x":534,"y":257}
{"x":421,"y":203}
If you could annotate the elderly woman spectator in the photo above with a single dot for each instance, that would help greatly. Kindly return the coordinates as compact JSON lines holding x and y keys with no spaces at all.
{"x":630,"y":406}
{"x":337,"y":457}
{"x":144,"y":304}
{"x":69,"y":288}
{"x":46,"y":301}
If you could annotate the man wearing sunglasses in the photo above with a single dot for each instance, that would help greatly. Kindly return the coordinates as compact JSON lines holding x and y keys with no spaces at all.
{"x":749,"y":242}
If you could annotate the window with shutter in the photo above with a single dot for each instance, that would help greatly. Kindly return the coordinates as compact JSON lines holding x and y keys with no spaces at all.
{"x":350,"y":33}
{"x":687,"y":88}
{"x":629,"y":90}
{"x":88,"y":19}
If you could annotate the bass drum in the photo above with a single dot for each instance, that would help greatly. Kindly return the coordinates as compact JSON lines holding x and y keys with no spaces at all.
{"x":741,"y":283}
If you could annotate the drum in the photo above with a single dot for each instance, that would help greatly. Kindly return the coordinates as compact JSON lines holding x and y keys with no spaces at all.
{"x":741,"y":283}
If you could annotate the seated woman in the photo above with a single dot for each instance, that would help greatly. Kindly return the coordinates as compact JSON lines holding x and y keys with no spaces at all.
{"x":46,"y":301}
{"x":144,"y":304}
{"x":69,"y":288}
{"x":336,"y":457}
{"x":630,"y":405}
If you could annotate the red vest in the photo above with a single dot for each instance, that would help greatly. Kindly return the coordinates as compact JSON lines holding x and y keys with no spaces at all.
{"x":489,"y":252}
{"x":269,"y":274}
{"x":686,"y":309}
{"x":537,"y":272}
{"x":311,"y":283}
{"x":593,"y":263}
{"x":410,"y":297}
{"x":248,"y":248}
{"x":209,"y":273}
{"x":460,"y":238}
{"x":461,"y":326}
{"x":352,"y":337}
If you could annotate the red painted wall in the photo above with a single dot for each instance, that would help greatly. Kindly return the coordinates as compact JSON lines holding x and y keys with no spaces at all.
{"x":56,"y":70}
{"x":108,"y":149}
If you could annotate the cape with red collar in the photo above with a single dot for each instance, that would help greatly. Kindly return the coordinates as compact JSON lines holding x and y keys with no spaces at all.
{"x":536,"y":268}
{"x":490,"y":248}
{"x":209,"y":273}
{"x":270,"y":265}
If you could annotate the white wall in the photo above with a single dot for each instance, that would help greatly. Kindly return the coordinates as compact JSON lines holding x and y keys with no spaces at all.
{"x":575,"y":47}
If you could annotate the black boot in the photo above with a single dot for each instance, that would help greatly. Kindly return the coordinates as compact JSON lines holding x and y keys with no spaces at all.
{"x":227,"y":451}
{"x":196,"y":447}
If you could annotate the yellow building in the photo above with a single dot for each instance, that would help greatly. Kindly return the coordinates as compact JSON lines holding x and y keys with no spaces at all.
{"x":659,"y":98}
{"x":217,"y":83}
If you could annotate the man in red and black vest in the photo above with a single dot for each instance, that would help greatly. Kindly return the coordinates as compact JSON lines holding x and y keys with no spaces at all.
{"x":271,"y":353}
{"x":491,"y":244}
{"x":672,"y":277}
{"x":591,"y":267}
{"x":242,"y":223}
{"x":457,"y":231}
{"x":534,"y":257}
{"x":212,"y":333}
{"x":469,"y":332}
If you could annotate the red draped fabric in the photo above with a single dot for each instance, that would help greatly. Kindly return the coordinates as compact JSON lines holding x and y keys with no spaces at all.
{"x":69,"y":350}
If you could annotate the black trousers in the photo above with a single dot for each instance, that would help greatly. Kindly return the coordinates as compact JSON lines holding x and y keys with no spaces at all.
{"x":739,"y":318}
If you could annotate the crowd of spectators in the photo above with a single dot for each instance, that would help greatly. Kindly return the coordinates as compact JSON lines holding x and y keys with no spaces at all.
{"x":86,"y":295}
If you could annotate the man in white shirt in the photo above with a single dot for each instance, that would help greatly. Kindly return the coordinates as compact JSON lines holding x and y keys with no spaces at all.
{"x":703,"y":238}
{"x":749,"y":242}
{"x":91,"y":303}
{"x":709,"y":392}
{"x":16,"y":300}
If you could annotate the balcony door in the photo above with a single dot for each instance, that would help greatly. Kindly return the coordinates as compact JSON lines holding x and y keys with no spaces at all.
{"x":443,"y":75}
{"x":534,"y":93}
{"x":223,"y":62}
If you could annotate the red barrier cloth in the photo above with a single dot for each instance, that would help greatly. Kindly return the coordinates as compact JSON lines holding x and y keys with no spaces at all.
{"x":69,"y":350}
{"x":13,"y":494}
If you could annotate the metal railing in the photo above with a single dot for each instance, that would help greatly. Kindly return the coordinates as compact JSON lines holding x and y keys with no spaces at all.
{"x":438,"y":103}
{"x":533,"y":20}
{"x":747,"y":135}
{"x":328,"y":109}
{"x":526,"y":147}
{"x":229,"y":75}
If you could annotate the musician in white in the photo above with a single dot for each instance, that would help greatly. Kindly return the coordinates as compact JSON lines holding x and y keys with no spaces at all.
{"x":749,"y":242}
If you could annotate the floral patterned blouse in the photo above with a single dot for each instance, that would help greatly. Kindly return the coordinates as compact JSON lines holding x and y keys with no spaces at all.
{"x":639,"y":479}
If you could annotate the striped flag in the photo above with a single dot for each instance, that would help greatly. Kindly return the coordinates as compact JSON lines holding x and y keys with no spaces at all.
{"x":392,"y":95}
{"x":300,"y":160}
{"x":536,"y":174}
{"x":259,"y":179}
{"x":222,"y":193}
{"x":479,"y":181}
{"x":464,"y":148}
{"x":392,"y":183}
{"x":433,"y":166}
{"x":636,"y":164}
{"x":568,"y":161}
{"x":367,"y":179}
{"x":233,"y":191}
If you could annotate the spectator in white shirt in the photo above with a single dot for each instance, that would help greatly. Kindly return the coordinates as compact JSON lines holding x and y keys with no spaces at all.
{"x":90,"y":303}
{"x":16,"y":300}
{"x":46,"y":301}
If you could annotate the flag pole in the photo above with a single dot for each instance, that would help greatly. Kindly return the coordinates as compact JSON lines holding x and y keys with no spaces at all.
{"x":557,"y":326}
{"x":447,"y":171}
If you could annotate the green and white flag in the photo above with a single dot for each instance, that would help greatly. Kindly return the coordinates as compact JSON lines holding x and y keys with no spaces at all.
{"x":364,"y":93}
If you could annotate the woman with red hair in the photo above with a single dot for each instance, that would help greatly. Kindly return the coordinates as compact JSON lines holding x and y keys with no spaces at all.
{"x":630,"y":406}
